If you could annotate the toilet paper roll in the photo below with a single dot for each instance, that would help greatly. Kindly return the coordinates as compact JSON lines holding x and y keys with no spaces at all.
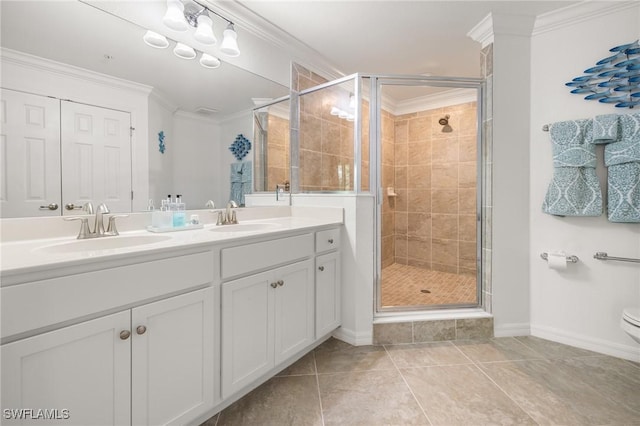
{"x":557,"y":260}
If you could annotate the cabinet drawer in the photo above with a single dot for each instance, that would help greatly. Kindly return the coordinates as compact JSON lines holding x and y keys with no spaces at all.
{"x":327,"y":240}
{"x":254,"y":257}
{"x":47,"y":302}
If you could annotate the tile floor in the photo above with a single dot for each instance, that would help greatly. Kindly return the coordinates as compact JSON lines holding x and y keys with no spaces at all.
{"x":403,"y":285}
{"x":507,"y":381}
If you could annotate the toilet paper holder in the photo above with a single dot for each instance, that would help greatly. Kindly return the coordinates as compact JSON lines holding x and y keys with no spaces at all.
{"x":572,"y":258}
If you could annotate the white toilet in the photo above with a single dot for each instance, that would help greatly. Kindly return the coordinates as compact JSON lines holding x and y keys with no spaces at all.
{"x":630,"y":322}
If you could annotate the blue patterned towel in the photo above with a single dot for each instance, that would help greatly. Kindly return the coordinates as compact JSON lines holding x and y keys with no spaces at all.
{"x":574,"y":189}
{"x":623,"y":180}
{"x":605,"y":128}
{"x":240,"y":181}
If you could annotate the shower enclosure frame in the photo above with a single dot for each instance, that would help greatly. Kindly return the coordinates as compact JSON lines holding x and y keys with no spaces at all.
{"x":376,"y":81}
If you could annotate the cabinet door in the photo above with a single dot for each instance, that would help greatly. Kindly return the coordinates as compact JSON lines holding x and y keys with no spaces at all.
{"x":29,"y":155}
{"x":96,"y":156}
{"x":327,"y":293}
{"x":294,"y":310}
{"x":172,"y":359}
{"x":247,"y":330}
{"x":84,"y":368}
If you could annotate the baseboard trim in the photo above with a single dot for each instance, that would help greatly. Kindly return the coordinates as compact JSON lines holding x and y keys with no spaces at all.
{"x":514,"y":329}
{"x":353,"y":338}
{"x":606,"y":347}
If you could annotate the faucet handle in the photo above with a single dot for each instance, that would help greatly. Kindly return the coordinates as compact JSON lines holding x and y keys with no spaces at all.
{"x":111,"y":228}
{"x":84,"y":226}
{"x":220,"y":218}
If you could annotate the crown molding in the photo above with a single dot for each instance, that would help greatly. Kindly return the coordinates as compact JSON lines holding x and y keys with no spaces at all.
{"x":162,"y":99}
{"x":258,"y":26}
{"x":437,"y":100}
{"x":579,"y":12}
{"x":482,"y":32}
{"x":35,"y":62}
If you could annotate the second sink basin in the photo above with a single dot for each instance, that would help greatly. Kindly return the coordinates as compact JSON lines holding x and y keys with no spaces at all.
{"x":104,"y":243}
{"x":245,"y":227}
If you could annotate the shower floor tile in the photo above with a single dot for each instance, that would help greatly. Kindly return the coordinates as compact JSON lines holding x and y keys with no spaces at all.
{"x":404,"y":285}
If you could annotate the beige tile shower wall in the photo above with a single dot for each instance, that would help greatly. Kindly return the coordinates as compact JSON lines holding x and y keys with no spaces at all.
{"x":277,"y":151}
{"x":435,"y":179}
{"x":388,"y":178}
{"x":326,"y":142}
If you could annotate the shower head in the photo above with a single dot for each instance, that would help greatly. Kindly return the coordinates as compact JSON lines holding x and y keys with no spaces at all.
{"x":444,"y":120}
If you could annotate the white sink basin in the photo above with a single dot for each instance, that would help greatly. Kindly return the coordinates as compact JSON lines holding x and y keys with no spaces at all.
{"x":245,"y":227}
{"x":104,"y":243}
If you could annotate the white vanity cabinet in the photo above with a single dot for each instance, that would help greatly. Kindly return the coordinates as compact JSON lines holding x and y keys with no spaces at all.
{"x":149,"y":365}
{"x":140,"y":348}
{"x":267,"y":317}
{"x":328,"y":282}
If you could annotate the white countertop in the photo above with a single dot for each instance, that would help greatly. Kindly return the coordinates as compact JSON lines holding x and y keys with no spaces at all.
{"x":33,"y":255}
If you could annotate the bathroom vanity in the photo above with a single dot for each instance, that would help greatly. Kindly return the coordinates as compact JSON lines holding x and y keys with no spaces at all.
{"x":145,"y":328}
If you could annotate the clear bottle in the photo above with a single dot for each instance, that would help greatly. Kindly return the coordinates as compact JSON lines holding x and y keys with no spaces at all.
{"x":179,"y":212}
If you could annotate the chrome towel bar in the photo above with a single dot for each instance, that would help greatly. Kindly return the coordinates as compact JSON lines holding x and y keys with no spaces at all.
{"x":572,"y":258}
{"x":601,"y":255}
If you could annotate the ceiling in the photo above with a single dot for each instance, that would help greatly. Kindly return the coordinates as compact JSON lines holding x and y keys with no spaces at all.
{"x":397,"y":37}
{"x":387,"y":37}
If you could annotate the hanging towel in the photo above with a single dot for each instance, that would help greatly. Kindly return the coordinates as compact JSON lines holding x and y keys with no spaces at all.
{"x":246,"y":180}
{"x":622,"y":158}
{"x":605,"y":128}
{"x":236,"y":183}
{"x":574,"y":189}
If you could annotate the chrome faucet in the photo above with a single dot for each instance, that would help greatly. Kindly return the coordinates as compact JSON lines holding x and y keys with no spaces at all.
{"x":98,"y":226}
{"x":229,"y":216}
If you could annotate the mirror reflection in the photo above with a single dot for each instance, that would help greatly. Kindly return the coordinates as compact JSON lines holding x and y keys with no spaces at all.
{"x":271,"y":136}
{"x":100,"y":116}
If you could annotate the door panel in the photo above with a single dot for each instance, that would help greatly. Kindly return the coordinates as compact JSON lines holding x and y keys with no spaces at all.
{"x":29,"y":155}
{"x":84,"y":368}
{"x":96,"y":156}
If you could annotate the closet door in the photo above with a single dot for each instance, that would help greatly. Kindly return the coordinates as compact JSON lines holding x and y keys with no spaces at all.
{"x":96,"y":157}
{"x":29,"y":155}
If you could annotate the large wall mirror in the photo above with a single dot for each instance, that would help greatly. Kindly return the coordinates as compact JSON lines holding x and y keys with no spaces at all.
{"x":69,"y":68}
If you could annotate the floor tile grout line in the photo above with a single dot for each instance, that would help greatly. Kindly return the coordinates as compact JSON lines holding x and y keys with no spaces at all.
{"x":528,"y":347}
{"x":315,"y":367}
{"x":408,"y":386}
{"x":506,"y":394}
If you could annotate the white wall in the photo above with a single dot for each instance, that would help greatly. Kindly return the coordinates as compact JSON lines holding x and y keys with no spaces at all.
{"x":583,"y":304}
{"x":510,"y":184}
{"x":160,"y":165}
{"x":195,"y":146}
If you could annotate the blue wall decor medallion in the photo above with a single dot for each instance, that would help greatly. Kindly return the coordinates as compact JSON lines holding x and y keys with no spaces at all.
{"x":614,"y":79}
{"x":240,"y":147}
{"x":161,"y":146}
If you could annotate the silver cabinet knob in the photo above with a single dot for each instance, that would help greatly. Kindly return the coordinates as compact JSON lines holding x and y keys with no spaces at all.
{"x":274,"y":285}
{"x":71,"y":206}
{"x":321,"y":268}
{"x":124,"y":334}
{"x":141,"y":329}
{"x":280,"y":283}
{"x":330,"y":240}
{"x":52,"y":206}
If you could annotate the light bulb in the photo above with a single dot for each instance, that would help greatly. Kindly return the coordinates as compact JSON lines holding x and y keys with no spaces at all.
{"x":209,"y":61}
{"x":229,"y":45}
{"x":174,"y":17}
{"x":155,"y":40}
{"x":204,"y":31}
{"x":183,"y":51}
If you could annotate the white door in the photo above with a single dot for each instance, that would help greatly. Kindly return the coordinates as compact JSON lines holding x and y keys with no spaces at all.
{"x":294,"y":319}
{"x":327,"y":293}
{"x":247,"y":330}
{"x":29,"y":155}
{"x":96,"y":157}
{"x":172,"y":375}
{"x":80,"y":374}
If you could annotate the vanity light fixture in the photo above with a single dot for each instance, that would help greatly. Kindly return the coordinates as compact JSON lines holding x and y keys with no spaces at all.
{"x":183,"y":51}
{"x":209,"y":61}
{"x":155,"y":40}
{"x":181,"y":14}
